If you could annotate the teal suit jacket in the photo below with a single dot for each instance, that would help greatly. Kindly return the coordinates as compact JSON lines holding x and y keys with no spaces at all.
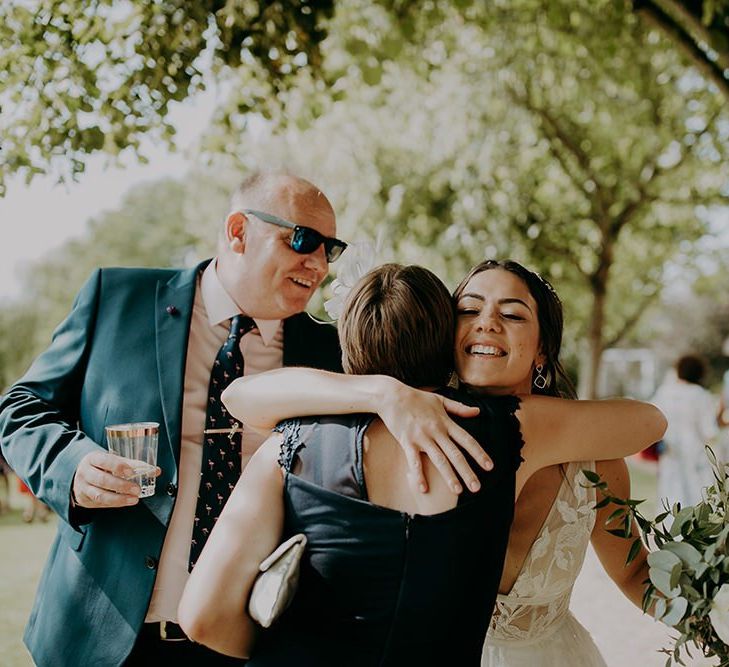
{"x":119,"y":356}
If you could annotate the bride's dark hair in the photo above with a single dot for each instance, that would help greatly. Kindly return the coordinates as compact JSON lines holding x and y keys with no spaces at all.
{"x":551,"y":322}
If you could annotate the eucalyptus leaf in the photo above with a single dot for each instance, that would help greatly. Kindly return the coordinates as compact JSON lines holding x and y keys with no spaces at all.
{"x":592,"y":476}
{"x":616,"y":514}
{"x":682,"y":518}
{"x":643,"y":523}
{"x":702,"y":513}
{"x":662,"y":581}
{"x":685,"y":551}
{"x":663,"y":560}
{"x":690,"y":593}
{"x":634,"y":550}
{"x":676,"y":609}
{"x":699,"y":569}
{"x":618,"y":532}
{"x":675,"y":575}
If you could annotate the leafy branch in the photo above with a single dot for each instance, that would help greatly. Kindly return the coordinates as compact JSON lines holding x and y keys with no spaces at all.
{"x":688,"y":563}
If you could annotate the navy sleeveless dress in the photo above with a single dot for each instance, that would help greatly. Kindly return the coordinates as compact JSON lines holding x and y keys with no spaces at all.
{"x":379,"y":586}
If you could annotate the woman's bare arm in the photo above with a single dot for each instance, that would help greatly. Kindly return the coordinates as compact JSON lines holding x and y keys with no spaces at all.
{"x":558,"y":430}
{"x":613,"y":550}
{"x":417,"y":419}
{"x":214,"y":606}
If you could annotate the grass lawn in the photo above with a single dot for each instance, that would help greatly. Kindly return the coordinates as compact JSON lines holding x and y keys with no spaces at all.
{"x":23,"y":551}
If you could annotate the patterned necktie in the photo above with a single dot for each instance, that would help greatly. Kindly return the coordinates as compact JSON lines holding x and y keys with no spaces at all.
{"x":221,"y":455}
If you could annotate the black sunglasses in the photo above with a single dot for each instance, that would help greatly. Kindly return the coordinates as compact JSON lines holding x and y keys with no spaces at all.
{"x":304,"y":240}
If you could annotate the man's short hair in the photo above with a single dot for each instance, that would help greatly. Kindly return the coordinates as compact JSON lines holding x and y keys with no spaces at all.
{"x":240,"y":197}
{"x":399,"y":321}
{"x":691,"y":368}
{"x":260,"y":188}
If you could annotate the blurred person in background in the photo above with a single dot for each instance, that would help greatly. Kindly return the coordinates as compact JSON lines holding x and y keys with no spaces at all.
{"x":694,"y":419}
{"x":33,"y":507}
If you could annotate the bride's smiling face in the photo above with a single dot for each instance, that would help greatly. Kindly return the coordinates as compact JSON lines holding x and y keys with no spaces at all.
{"x":497,"y":334}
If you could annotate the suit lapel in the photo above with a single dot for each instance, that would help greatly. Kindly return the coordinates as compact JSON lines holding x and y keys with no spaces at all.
{"x":173,"y":312}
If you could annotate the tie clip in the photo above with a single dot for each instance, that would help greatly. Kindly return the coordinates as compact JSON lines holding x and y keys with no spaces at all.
{"x":238,"y":428}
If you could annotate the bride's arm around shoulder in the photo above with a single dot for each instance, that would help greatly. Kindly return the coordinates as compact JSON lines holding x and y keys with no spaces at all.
{"x":214,"y":606}
{"x":557,"y":430}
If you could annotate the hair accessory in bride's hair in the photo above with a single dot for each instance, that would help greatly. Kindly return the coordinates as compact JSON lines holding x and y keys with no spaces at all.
{"x":357,"y":259}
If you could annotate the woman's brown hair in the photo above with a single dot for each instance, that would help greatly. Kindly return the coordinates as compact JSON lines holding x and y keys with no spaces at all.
{"x":399,"y":321}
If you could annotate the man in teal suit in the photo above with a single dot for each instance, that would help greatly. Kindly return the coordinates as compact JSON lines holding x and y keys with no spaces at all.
{"x":139,"y":345}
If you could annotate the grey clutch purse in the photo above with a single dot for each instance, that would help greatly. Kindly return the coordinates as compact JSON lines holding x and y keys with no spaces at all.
{"x":275,"y":585}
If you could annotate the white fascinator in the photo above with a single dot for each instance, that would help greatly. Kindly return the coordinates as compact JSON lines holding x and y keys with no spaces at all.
{"x":359,"y":258}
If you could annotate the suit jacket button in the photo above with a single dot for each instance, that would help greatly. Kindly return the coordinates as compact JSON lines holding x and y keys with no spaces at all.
{"x":150,"y":562}
{"x":171,"y":490}
{"x":172,"y":310}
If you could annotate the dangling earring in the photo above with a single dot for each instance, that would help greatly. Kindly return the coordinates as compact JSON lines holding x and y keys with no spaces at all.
{"x":540,"y":382}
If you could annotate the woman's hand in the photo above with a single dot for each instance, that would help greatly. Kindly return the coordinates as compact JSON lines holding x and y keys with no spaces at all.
{"x":420,"y":422}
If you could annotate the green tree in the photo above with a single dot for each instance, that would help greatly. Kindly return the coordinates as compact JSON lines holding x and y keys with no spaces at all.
{"x":692,"y":315}
{"x":563,"y":134}
{"x":19,"y":338}
{"x":699,"y":28}
{"x":163,"y":223}
{"x":635,"y":146}
{"x":78,"y":77}
{"x":575,"y":141}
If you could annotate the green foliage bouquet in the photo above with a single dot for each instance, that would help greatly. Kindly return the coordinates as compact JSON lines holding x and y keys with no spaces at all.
{"x":689,"y":563}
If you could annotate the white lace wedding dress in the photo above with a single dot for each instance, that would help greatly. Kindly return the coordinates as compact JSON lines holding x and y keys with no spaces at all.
{"x":532,"y":625}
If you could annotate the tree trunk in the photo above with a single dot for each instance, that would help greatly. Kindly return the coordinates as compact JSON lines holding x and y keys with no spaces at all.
{"x":594,"y":344}
{"x":595,"y":331}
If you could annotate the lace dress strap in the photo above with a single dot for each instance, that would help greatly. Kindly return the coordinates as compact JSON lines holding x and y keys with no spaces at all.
{"x":497,"y":428}
{"x":506,"y":425}
{"x":291,"y":443}
{"x":326,"y":451}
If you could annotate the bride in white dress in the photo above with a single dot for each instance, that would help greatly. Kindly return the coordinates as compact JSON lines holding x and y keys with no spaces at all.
{"x":555,"y":517}
{"x":532,"y":623}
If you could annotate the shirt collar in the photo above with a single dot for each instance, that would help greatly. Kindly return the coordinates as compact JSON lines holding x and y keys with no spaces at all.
{"x":220,"y":306}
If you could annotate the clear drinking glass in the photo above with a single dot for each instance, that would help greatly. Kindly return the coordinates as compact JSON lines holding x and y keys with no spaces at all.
{"x":137,"y":441}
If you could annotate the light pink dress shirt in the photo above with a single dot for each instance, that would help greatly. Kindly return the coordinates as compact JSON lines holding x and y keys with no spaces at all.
{"x":262,"y":350}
